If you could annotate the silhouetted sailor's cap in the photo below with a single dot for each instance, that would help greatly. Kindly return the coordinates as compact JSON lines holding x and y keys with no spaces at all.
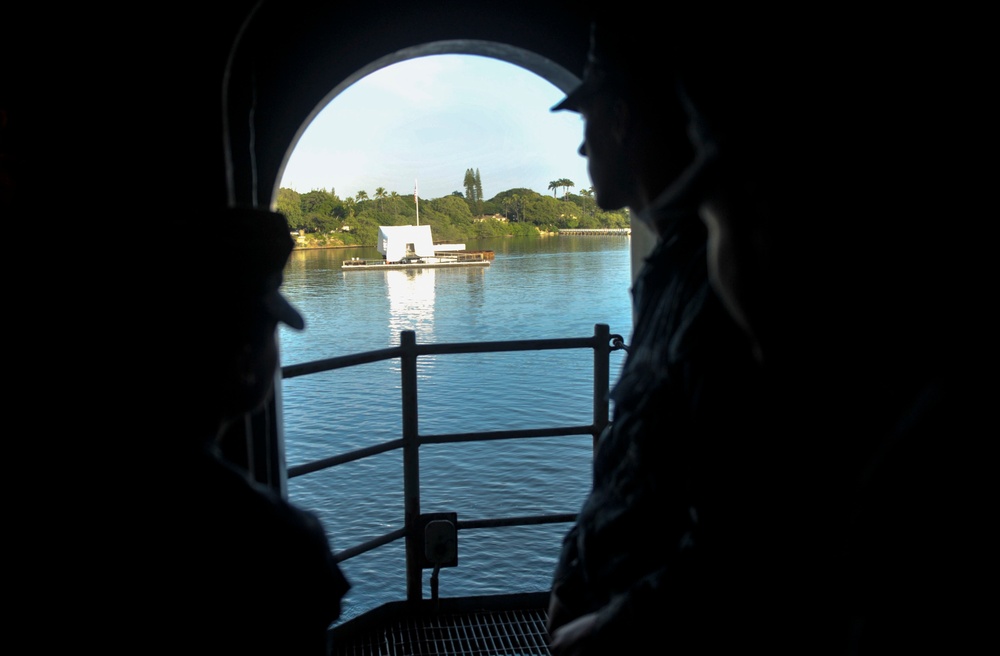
{"x":626,"y":54}
{"x":607,"y":63}
{"x":251,"y":249}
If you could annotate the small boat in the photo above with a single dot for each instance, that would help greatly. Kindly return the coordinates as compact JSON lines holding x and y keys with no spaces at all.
{"x":412,"y":247}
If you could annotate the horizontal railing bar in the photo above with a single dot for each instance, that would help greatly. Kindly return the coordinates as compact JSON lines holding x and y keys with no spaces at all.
{"x":527,"y":520}
{"x":506,"y":434}
{"x":501,"y":347}
{"x":350,"y":456}
{"x":516,"y":521}
{"x":343,"y":361}
{"x":450,"y":438}
{"x":371,"y":544}
{"x":340,"y":362}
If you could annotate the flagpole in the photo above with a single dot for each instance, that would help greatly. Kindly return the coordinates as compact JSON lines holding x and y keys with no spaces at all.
{"x":416,"y":200}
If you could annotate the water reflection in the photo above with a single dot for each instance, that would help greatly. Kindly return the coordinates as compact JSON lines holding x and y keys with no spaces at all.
{"x":411,"y":300}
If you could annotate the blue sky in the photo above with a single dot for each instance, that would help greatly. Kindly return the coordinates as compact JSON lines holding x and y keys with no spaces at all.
{"x":427,"y":120}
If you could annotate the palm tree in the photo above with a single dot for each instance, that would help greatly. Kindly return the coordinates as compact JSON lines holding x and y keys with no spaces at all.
{"x":361,"y":195}
{"x":394,"y":197}
{"x":589,"y":203}
{"x":565,"y":183}
{"x":380,"y":195}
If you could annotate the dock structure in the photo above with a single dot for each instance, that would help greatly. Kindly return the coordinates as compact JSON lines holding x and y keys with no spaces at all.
{"x":596,"y":231}
{"x":442,"y":259}
{"x":411,"y":247}
{"x":382,"y":265}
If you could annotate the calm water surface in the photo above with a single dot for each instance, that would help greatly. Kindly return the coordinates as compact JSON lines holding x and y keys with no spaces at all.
{"x":553,"y":287}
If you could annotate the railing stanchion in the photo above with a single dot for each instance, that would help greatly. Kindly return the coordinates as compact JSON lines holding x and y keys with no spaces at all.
{"x":602,"y":374}
{"x":411,"y":464}
{"x":410,"y":441}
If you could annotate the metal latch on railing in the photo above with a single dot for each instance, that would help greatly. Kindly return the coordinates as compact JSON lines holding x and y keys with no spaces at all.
{"x":440,"y":531}
{"x":618,"y":344}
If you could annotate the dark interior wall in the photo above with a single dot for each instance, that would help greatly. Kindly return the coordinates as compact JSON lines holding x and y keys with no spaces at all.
{"x":120,"y":115}
{"x":294,"y":54}
{"x":115,"y":138}
{"x":133,"y":99}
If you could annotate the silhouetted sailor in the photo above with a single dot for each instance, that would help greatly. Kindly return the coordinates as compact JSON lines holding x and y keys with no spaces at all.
{"x":245,"y":571}
{"x":630,"y":572}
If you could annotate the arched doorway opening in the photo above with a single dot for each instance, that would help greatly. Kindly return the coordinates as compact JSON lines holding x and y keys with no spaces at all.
{"x":290,"y":61}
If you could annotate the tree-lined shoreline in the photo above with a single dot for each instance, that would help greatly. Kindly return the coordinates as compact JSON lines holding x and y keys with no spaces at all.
{"x":325,"y":220}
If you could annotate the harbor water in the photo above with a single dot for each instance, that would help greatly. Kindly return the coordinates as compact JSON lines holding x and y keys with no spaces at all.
{"x":553,"y":287}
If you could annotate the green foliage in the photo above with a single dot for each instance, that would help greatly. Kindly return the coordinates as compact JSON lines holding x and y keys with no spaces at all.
{"x":469,"y":182}
{"x":456,"y":217}
{"x":451,"y":206}
{"x":321,"y":223}
{"x":318,"y":210}
{"x":491,"y":207}
{"x":473,"y":184}
{"x":523,"y":230}
{"x":489,"y":227}
{"x":479,"y":193}
{"x":523,"y":191}
{"x":289,"y":203}
{"x":544,"y":210}
{"x":364,"y":228}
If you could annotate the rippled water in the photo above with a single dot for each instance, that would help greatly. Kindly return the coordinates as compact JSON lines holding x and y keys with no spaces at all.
{"x":536,"y":288}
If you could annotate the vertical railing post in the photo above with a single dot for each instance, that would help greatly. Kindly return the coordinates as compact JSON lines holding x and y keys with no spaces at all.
{"x":411,"y":464}
{"x":602,"y":376}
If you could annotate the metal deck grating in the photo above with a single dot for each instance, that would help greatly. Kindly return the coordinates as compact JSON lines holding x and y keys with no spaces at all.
{"x":477,"y":632}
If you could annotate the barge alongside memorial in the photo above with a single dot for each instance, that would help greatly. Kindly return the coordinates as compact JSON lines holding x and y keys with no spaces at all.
{"x":412,"y":247}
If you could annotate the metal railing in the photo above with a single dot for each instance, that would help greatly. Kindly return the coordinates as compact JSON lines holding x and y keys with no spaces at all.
{"x":602,"y":343}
